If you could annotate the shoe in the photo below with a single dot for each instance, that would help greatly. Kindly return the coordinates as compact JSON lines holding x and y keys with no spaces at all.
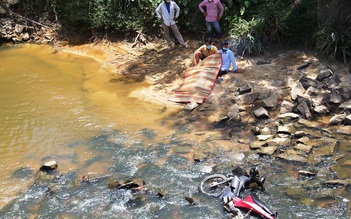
{"x":185,"y":46}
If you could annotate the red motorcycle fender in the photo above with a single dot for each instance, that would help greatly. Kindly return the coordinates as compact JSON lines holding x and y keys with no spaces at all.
{"x":249,"y":204}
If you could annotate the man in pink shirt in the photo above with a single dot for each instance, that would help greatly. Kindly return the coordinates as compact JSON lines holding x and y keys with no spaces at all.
{"x":212,"y":16}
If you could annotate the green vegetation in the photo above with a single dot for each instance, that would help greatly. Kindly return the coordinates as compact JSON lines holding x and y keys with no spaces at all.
{"x":322,"y":25}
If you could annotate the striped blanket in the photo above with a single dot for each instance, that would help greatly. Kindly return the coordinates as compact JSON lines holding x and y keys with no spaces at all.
{"x":198,"y":81}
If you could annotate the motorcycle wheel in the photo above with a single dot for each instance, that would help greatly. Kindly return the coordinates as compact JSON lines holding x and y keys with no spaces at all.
{"x":207,"y":184}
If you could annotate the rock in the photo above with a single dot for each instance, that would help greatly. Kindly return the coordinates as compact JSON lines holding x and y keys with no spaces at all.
{"x":307,"y":173}
{"x":190,"y":200}
{"x":160,"y":193}
{"x":199,"y":156}
{"x":265,"y":131}
{"x":271,"y":101}
{"x":335,"y":97}
{"x":285,"y":142}
{"x":321,"y":110}
{"x":49,"y":166}
{"x":256,"y":130}
{"x":300,"y":134}
{"x":264,"y":137}
{"x":325,"y":151}
{"x":19,"y":28}
{"x":345,"y":105}
{"x":307,"y":82}
{"x":257,"y":144}
{"x":25,"y":36}
{"x":300,"y":67}
{"x":296,"y":193}
{"x":206,"y":169}
{"x":296,"y":90}
{"x":138,"y":182}
{"x":304,"y":109}
{"x":317,"y":100}
{"x":244,"y":89}
{"x":233,"y":112}
{"x":269,"y":150}
{"x":337,"y":119}
{"x":261,"y":113}
{"x":304,"y":98}
{"x":191,"y":106}
{"x":113,"y":183}
{"x":335,"y":182}
{"x":285,"y":129}
{"x":347,"y":120}
{"x":292,"y":155}
{"x":309,"y":124}
{"x":263,"y":94}
{"x":238,"y":82}
{"x":332,"y":81}
{"x":303,"y":140}
{"x":279,"y":82}
{"x":303,"y":148}
{"x":312,"y":91}
{"x":344,"y":130}
{"x":346,"y":92}
{"x":324,"y":74}
{"x":286,"y":107}
{"x":181,"y":149}
{"x":289,"y":116}
{"x":246,"y":99}
{"x":340,"y":172}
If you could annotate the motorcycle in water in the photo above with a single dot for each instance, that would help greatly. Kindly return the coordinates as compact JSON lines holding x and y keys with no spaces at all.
{"x":229,"y":188}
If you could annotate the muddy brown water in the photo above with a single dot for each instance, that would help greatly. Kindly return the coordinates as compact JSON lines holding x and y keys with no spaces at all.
{"x":56,"y":105}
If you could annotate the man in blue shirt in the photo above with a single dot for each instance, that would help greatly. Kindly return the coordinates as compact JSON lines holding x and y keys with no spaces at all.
{"x":227,"y":59}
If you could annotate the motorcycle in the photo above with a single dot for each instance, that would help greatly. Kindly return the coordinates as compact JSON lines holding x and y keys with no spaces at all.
{"x":228,"y":188}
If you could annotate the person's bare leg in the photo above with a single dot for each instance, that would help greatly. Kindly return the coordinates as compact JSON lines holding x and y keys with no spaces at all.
{"x":197,"y":57}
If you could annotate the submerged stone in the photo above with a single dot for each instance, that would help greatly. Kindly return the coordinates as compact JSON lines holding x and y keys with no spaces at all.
{"x":182,"y":149}
{"x":296,"y":192}
{"x":22,"y":173}
{"x":199,"y":156}
{"x":292,"y":155}
{"x":336,"y":182}
{"x":309,"y":124}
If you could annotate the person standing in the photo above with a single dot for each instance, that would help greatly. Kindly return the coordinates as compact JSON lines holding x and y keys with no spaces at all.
{"x":168,"y":12}
{"x":211,"y":16}
{"x":204,"y":51}
{"x":227,"y":59}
